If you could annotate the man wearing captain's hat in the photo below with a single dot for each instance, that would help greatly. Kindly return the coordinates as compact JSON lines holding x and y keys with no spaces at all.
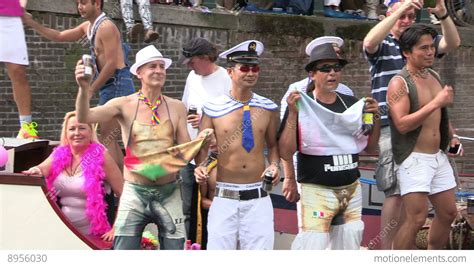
{"x":325,"y":129}
{"x":245,"y":123}
{"x":151,"y":124}
{"x":289,"y":187}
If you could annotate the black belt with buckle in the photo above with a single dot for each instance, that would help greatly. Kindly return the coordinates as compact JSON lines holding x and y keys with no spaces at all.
{"x":241,"y":194}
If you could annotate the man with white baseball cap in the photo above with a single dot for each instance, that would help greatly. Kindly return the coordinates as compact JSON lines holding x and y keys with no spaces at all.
{"x":151,"y":124}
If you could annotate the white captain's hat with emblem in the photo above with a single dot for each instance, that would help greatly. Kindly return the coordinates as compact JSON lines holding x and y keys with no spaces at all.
{"x":335,"y":41}
{"x":247,"y":52}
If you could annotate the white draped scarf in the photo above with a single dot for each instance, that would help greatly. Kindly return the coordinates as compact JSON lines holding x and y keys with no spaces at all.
{"x":324,"y":132}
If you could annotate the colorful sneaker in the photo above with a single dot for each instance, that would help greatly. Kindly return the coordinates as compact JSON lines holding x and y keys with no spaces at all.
{"x":28,"y":131}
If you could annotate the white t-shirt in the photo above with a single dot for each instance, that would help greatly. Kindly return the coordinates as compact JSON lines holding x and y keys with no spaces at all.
{"x":200,"y":89}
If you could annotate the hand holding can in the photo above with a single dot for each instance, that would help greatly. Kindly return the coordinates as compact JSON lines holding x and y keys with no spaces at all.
{"x":192,"y":110}
{"x":87,"y":61}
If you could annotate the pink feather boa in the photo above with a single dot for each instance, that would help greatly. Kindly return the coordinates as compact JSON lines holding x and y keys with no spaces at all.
{"x":92,"y":164}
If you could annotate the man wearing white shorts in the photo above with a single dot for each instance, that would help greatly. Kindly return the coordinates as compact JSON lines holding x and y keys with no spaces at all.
{"x":15,"y":56}
{"x":422,"y":172}
{"x":420,"y":133}
{"x":241,"y":213}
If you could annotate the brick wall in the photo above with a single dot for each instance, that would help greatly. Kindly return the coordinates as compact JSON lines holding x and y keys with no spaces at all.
{"x":285,"y":37}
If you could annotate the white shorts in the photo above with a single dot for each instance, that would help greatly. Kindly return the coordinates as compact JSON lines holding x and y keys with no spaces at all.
{"x":422,"y":172}
{"x":233,"y":223}
{"x":12,"y":41}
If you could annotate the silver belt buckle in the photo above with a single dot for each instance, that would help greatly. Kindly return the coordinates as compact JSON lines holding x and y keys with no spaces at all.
{"x":229,"y":194}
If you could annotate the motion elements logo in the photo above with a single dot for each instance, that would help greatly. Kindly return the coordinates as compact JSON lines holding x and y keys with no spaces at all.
{"x":341,"y":163}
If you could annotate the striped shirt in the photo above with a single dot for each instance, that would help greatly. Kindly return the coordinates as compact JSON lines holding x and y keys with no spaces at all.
{"x":385,"y":63}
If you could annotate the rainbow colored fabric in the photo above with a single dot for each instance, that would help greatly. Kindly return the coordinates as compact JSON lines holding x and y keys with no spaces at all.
{"x":164,"y":162}
{"x":155,"y":118}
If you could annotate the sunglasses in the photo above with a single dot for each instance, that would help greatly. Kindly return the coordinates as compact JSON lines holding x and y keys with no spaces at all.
{"x":246,"y":69}
{"x":187,"y":53}
{"x":328,"y":68}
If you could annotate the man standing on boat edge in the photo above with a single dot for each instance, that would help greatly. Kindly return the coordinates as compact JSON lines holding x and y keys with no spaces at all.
{"x":420,"y":136}
{"x":289,"y":186}
{"x":326,"y":131}
{"x":381,"y":48}
{"x":241,"y":213}
{"x":151,"y":124}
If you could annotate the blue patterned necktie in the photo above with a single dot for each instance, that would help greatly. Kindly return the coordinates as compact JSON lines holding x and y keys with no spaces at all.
{"x":247,"y":134}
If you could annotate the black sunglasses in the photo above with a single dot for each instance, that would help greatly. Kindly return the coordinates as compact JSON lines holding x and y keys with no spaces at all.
{"x":328,"y":68}
{"x":187,"y":54}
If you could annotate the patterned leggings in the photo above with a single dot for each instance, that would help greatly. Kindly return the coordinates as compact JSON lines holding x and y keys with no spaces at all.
{"x":143,"y":9}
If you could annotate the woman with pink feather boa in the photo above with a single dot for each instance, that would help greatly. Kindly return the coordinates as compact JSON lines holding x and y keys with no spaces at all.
{"x":79,"y":172}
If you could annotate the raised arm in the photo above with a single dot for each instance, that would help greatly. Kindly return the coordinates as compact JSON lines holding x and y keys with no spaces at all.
{"x":378,"y":33}
{"x":113,"y":175}
{"x":109,"y":36}
{"x":450,"y":39}
{"x":99,"y":114}
{"x":400,"y":106}
{"x":69,"y":35}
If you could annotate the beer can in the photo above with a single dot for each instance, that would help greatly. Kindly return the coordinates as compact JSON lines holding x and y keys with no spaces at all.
{"x":192,"y":110}
{"x":87,"y":61}
{"x":267,"y":181}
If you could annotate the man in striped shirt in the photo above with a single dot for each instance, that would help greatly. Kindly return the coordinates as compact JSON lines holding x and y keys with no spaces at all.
{"x":385,"y":58}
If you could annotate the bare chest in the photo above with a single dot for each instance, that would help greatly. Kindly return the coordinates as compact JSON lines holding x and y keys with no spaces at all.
{"x":233,"y":124}
{"x":144,"y":115}
{"x":427,"y":89}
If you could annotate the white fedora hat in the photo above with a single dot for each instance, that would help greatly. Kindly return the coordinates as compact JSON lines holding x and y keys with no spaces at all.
{"x":146,"y":55}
